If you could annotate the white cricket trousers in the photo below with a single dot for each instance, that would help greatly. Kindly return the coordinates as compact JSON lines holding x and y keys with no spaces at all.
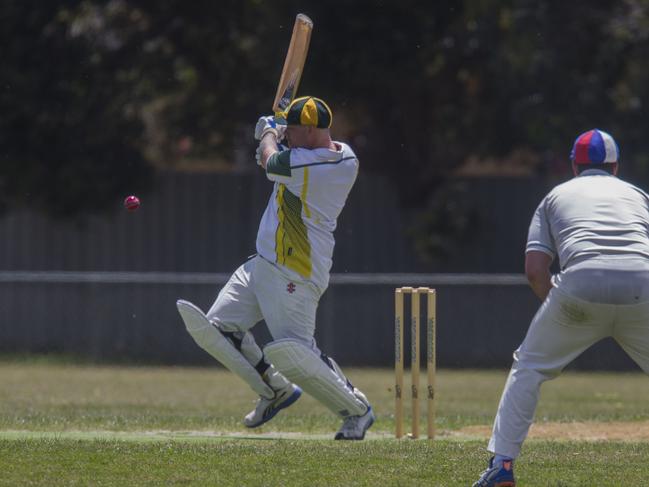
{"x":563,"y":328}
{"x":261,"y":290}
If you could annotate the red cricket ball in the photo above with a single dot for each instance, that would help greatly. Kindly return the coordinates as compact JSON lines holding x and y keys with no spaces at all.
{"x":132,"y":203}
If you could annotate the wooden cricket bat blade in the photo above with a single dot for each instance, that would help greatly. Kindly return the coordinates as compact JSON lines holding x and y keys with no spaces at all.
{"x":294,"y":63}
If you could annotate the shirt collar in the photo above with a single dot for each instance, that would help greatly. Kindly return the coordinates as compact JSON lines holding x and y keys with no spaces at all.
{"x":594,"y":172}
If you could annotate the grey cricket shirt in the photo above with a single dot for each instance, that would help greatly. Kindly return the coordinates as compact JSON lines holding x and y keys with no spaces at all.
{"x":593,"y":215}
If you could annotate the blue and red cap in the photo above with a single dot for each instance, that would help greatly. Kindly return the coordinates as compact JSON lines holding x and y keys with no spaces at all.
{"x":595,"y":147}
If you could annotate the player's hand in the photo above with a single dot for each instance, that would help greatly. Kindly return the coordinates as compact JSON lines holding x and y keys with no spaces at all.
{"x":258,"y":155}
{"x":267,"y":124}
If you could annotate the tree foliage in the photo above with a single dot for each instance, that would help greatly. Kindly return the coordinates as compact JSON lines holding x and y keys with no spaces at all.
{"x":94,"y":93}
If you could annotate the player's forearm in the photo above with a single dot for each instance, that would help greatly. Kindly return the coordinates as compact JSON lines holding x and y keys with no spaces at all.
{"x":268,"y":146}
{"x":541,"y":283}
{"x":537,"y":270}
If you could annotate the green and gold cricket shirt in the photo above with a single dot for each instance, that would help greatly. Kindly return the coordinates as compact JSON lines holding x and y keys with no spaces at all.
{"x":311,"y":187}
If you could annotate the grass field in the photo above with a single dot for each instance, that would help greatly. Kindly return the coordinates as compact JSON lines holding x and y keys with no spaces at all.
{"x":97,"y":425}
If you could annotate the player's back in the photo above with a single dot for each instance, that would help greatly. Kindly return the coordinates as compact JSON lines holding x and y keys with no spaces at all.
{"x":595,"y":215}
{"x":311,"y":188}
{"x":332,"y":175}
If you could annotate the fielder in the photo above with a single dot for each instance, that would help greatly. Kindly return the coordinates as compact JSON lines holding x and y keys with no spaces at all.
{"x":283,"y":283}
{"x":598,"y":227}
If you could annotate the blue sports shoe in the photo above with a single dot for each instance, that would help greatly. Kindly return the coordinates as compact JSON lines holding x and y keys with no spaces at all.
{"x":266,"y":409}
{"x":497,"y":476}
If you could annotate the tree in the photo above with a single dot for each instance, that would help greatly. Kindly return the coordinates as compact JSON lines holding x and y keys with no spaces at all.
{"x":95,"y":93}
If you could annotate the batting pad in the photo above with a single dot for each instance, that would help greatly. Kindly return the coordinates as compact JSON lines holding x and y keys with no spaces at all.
{"x":304,"y":367}
{"x":210,"y":339}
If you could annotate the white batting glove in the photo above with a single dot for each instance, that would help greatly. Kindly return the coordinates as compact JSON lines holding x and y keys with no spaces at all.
{"x":258,"y":156}
{"x":267,"y":124}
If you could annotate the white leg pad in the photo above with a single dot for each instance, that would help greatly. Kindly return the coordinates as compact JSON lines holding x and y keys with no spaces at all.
{"x":304,"y":367}
{"x":210,"y":339}
{"x":338,"y":370}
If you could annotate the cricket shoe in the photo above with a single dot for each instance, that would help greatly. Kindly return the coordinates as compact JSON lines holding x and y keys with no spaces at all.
{"x":354,"y":427}
{"x":266,"y":409}
{"x":497,"y":475}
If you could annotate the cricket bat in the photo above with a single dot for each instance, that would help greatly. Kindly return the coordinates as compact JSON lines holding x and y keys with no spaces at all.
{"x":294,"y":63}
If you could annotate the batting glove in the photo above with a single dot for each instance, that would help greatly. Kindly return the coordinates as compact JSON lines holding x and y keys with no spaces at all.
{"x":258,"y":156}
{"x":268,"y":124}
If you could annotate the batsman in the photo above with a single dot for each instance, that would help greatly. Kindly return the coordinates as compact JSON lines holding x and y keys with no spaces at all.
{"x":283,"y":282}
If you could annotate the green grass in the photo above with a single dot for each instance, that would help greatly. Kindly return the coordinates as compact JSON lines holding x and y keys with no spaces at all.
{"x":309,"y":463}
{"x":78,"y":424}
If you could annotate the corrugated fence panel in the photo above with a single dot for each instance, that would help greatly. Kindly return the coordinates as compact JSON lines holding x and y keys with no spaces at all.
{"x":208,"y":223}
{"x":478,"y":325}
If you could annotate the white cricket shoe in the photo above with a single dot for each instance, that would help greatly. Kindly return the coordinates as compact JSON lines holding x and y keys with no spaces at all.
{"x":354,"y":427}
{"x":266,"y":409}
